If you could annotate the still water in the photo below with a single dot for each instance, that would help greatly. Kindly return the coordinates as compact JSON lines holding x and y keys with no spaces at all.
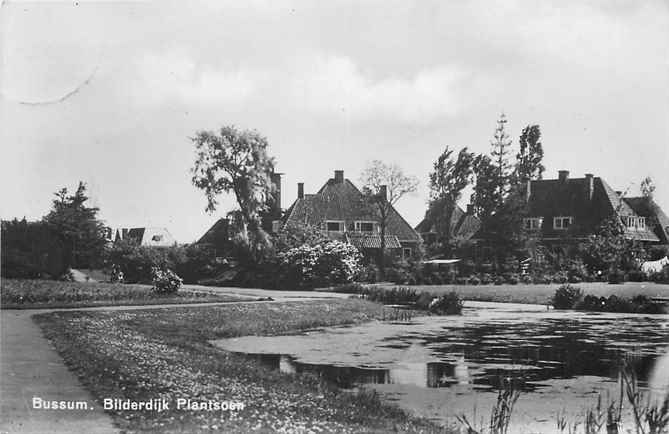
{"x":441,"y":367}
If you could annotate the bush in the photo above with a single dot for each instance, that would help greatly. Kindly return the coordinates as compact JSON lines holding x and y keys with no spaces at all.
{"x":616,"y":276}
{"x":638,"y":304}
{"x":486,"y":279}
{"x":498,"y":280}
{"x":447,"y":304}
{"x":526,"y":279}
{"x":325,"y":264}
{"x":473,"y":280}
{"x":566,"y":297}
{"x":637,"y":276}
{"x":424,"y":300}
{"x":560,"y":277}
{"x":511,"y":278}
{"x":165,"y":281}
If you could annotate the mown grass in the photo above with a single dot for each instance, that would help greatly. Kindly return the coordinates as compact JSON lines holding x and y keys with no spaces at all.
{"x":165,"y":353}
{"x":538,"y":293}
{"x":34,"y":294}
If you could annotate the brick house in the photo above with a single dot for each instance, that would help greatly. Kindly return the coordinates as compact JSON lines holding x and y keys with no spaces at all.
{"x":343,"y":213}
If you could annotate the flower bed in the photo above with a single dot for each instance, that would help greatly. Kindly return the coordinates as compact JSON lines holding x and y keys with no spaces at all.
{"x":25,"y":294}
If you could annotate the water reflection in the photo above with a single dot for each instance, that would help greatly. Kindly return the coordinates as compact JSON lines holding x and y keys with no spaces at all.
{"x":532,"y":351}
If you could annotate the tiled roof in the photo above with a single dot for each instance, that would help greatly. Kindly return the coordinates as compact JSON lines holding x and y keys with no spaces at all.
{"x":367,"y":241}
{"x":343,"y":201}
{"x":570,"y":198}
{"x":655,"y":216}
{"x":463,"y":226}
{"x":469,"y":225}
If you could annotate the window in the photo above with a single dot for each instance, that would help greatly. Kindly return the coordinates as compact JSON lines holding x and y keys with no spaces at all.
{"x":366,"y":226}
{"x":334,"y":226}
{"x":157,"y":238}
{"x":532,"y":223}
{"x":562,"y":223}
{"x":634,"y":223}
{"x":407,"y":252}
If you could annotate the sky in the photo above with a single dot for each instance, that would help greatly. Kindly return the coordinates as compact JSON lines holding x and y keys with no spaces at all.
{"x":110,"y":93}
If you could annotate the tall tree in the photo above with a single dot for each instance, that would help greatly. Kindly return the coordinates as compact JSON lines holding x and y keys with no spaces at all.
{"x":486,"y":198}
{"x":384,"y":185}
{"x":450,"y":176}
{"x":448,"y":179}
{"x":499,"y":154}
{"x":237,"y":161}
{"x":77,"y":226}
{"x":530,"y":155}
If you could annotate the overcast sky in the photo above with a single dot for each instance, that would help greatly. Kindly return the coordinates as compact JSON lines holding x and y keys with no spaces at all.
{"x":109,"y":93}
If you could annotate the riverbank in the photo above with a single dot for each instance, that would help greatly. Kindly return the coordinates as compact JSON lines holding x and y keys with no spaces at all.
{"x":538,"y":293}
{"x":165,"y":354}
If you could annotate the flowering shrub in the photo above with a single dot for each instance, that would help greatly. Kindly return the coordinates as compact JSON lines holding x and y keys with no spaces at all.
{"x":165,"y":281}
{"x":324,"y":264}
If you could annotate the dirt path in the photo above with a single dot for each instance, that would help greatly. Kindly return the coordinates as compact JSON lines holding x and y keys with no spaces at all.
{"x":30,"y":368}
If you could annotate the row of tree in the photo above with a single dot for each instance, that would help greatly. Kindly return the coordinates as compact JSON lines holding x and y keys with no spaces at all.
{"x":70,"y":236}
{"x":494,"y":179}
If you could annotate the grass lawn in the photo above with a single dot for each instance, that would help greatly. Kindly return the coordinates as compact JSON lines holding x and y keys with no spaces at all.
{"x":165,"y":354}
{"x":32,"y":294}
{"x":542,"y":294}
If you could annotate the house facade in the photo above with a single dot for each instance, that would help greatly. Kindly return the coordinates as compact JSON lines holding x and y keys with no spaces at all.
{"x":569,"y":209}
{"x":342,"y":212}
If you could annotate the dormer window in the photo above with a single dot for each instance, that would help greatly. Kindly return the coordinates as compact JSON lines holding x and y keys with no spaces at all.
{"x":634,"y":223}
{"x":532,"y":223}
{"x":562,"y":223}
{"x":157,"y":238}
{"x":334,"y":226}
{"x":366,"y":226}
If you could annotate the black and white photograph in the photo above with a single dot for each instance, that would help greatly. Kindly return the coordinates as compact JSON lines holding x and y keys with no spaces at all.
{"x":372,"y":216}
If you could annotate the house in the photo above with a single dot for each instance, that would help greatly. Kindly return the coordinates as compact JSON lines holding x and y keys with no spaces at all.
{"x":343,"y":213}
{"x":218,"y":236}
{"x":146,"y":236}
{"x":572,"y":208}
{"x":462,"y":226}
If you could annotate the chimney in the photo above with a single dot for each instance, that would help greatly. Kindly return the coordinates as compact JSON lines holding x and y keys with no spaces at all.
{"x":339,"y":177}
{"x":300,"y":190}
{"x":589,"y":185}
{"x":528,"y":190}
{"x":276,"y":180}
{"x":470,"y":208}
{"x":563,"y":175}
{"x":383,"y":192}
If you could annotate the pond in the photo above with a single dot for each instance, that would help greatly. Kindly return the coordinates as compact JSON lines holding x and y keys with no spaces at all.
{"x":443,"y":367}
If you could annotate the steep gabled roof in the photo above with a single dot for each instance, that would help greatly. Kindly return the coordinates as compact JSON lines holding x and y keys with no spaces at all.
{"x":343,"y":201}
{"x":462,"y":225}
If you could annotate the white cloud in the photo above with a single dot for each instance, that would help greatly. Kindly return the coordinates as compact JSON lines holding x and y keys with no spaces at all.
{"x":336,"y":85}
{"x":174,"y":76}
